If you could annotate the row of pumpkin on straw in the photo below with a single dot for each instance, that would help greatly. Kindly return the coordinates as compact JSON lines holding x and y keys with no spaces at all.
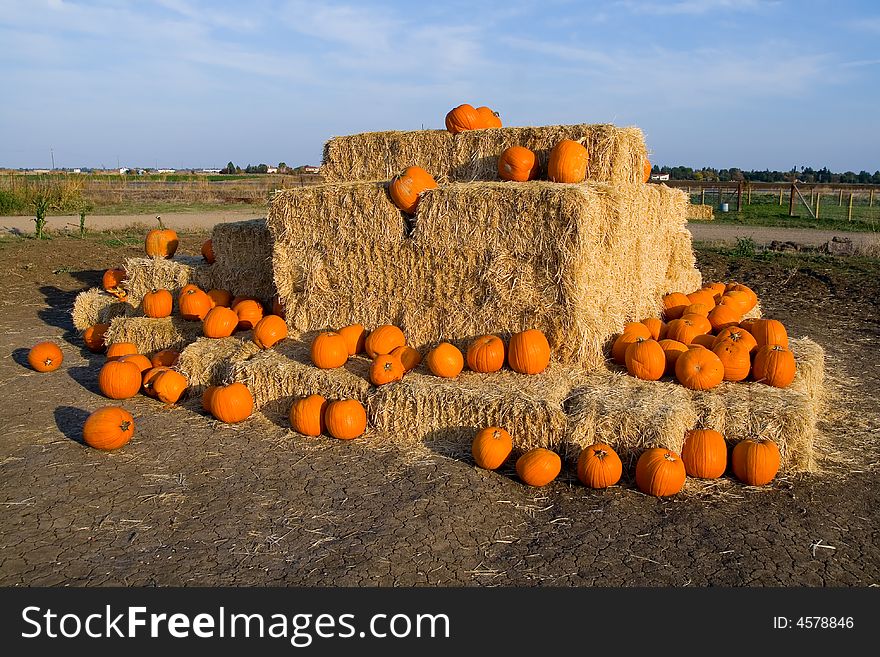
{"x":704,"y":340}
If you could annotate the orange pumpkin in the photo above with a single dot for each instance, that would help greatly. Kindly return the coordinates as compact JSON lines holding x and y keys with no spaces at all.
{"x":461,"y":118}
{"x":656,"y":326}
{"x":737,"y":301}
{"x":45,"y":357}
{"x":207,"y":396}
{"x":568,"y":162}
{"x":193,"y":303}
{"x":538,"y":466}
{"x":488,"y":118}
{"x":755,"y":462}
{"x":307,"y":415}
{"x":672,"y":349}
{"x":93,"y":337}
{"x":386,"y":368}
{"x":491,"y":447}
{"x":208,"y":251}
{"x":220,"y":322}
{"x":702,"y":324}
{"x":408,"y":356}
{"x":699,"y":369}
{"x":674,"y":304}
{"x":518,"y":164}
{"x":749,"y":292}
{"x":119,"y":379}
{"x":704,"y":340}
{"x":232,"y":403}
{"x":735,"y":358}
{"x":704,"y":453}
{"x":157,"y":303}
{"x":119,"y":349}
{"x":703,"y":296}
{"x":697,"y":309}
{"x":249,"y":313}
{"x":528,"y":352}
{"x":355,"y":338}
{"x":108,"y":427}
{"x":383,"y":340}
{"x":161,"y":242}
{"x":599,"y":466}
{"x":645,"y":359}
{"x":345,"y":419}
{"x":660,"y":472}
{"x":737,"y":335}
{"x":165,"y":358}
{"x":722,"y":317}
{"x":220,"y":297}
{"x":269,"y":331}
{"x":142,"y":362}
{"x":769,"y":331}
{"x":685,"y":329}
{"x":329,"y":350}
{"x":486,"y":354}
{"x":169,"y":386}
{"x":774,"y":365}
{"x":406,"y":188}
{"x":111,"y":281}
{"x":718,"y":288}
{"x":621,"y":344}
{"x":149,"y":378}
{"x":646,"y":170}
{"x":445,"y":360}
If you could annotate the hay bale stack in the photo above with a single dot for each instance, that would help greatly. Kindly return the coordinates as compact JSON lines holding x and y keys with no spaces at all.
{"x":617,"y":155}
{"x":576,"y":261}
{"x":145,"y":274}
{"x":95,"y":306}
{"x":208,"y":361}
{"x":700,"y":212}
{"x":150,"y":335}
{"x":243,"y":259}
{"x":278,"y":376}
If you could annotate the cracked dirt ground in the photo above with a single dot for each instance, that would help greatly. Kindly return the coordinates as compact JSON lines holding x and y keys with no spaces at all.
{"x":192,"y":502}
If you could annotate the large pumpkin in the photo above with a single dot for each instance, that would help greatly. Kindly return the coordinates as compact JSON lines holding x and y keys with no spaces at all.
{"x":149,"y":378}
{"x":93,"y":337}
{"x":488,"y":118}
{"x":699,"y":369}
{"x":722,"y":317}
{"x":704,"y":453}
{"x":735,"y":358}
{"x":737,"y":335}
{"x":345,"y":419}
{"x":755,"y":462}
{"x":249,"y":313}
{"x":119,"y":379}
{"x":491,"y":447}
{"x":194,"y":303}
{"x":220,"y":297}
{"x":407,"y":186}
{"x":269,"y":331}
{"x":220,"y":322}
{"x":538,"y":466}
{"x":307,"y":415}
{"x":355,"y":338}
{"x":769,"y":331}
{"x":674,"y":305}
{"x":599,"y":466}
{"x":703,"y":296}
{"x":157,"y":303}
{"x":660,"y":472}
{"x":445,"y":360}
{"x":461,"y":118}
{"x":645,"y":359}
{"x":118,"y":349}
{"x":329,"y":350}
{"x":686,"y":328}
{"x":231,"y":403}
{"x":109,"y":427}
{"x":568,"y":162}
{"x":528,"y":352}
{"x":161,"y":241}
{"x":774,"y":365}
{"x":486,"y":354}
{"x":45,"y":357}
{"x":383,"y":340}
{"x":170,"y":386}
{"x":739,"y":287}
{"x":386,"y":368}
{"x":143,"y":363}
{"x":518,"y":164}
{"x":656,"y":326}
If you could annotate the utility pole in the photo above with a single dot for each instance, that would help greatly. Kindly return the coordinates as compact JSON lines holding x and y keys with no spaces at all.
{"x":52,"y":152}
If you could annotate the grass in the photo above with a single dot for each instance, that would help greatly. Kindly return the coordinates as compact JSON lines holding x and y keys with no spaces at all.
{"x":168,"y":207}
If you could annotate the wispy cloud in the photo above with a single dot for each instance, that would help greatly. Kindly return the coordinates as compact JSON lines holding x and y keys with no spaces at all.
{"x":694,"y":7}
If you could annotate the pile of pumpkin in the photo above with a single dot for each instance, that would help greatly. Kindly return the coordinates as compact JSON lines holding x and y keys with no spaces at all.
{"x":567,"y":162}
{"x":702,"y":340}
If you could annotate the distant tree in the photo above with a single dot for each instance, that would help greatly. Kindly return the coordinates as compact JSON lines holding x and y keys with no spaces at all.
{"x":229,"y":168}
{"x":282,"y":167}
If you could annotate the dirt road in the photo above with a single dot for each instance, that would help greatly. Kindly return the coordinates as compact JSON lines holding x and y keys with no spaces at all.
{"x":729,"y":233}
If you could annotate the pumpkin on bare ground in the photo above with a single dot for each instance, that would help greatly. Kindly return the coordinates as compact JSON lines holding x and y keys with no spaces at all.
{"x":149,"y":377}
{"x":538,"y":466}
{"x":755,"y":462}
{"x":232,"y":403}
{"x":704,"y":453}
{"x":599,"y":466}
{"x":660,"y":472}
{"x":491,"y":447}
{"x":307,"y":415}
{"x":119,"y":379}
{"x":108,"y":427}
{"x":345,"y":419}
{"x":170,"y":386}
{"x":45,"y":357}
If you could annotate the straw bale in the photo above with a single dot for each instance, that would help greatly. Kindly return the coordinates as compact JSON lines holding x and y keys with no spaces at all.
{"x":150,"y":334}
{"x":95,"y":306}
{"x":617,"y":155}
{"x":145,"y":274}
{"x":576,"y":261}
{"x":207,"y":361}
{"x":682,"y":274}
{"x":243,"y":259}
{"x":431,"y":409}
{"x":700,"y":212}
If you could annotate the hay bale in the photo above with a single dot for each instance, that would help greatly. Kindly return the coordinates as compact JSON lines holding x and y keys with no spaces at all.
{"x":576,"y":261}
{"x":431,"y":409}
{"x":208,"y":361}
{"x":617,"y":155}
{"x":682,"y":274}
{"x":145,"y":274}
{"x":95,"y":306}
{"x":700,"y":212}
{"x":151,"y":335}
{"x":243,"y":259}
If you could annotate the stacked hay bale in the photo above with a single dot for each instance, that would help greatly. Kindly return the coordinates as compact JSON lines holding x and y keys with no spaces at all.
{"x":700,"y":212}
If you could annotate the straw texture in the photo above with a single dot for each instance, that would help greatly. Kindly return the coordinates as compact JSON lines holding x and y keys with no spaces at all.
{"x":95,"y":306}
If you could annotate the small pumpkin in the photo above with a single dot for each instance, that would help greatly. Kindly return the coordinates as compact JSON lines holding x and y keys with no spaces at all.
{"x":249,"y":313}
{"x":408,"y":356}
{"x":386,"y":368}
{"x":674,"y":304}
{"x":672,"y":349}
{"x":157,"y":303}
{"x":269,"y":331}
{"x":646,"y":170}
{"x":355,"y":337}
{"x":161,"y":242}
{"x":599,"y":466}
{"x":445,"y":360}
{"x":231,"y":403}
{"x":45,"y":357}
{"x":208,"y":251}
{"x":383,"y":340}
{"x":769,"y":331}
{"x":165,"y":358}
{"x":461,"y":118}
{"x":345,"y":419}
{"x":491,"y":447}
{"x":774,"y":365}
{"x":699,"y":369}
{"x":406,"y":187}
{"x":169,"y":386}
{"x":93,"y":337}
{"x":645,"y":359}
{"x":538,"y":466}
{"x":755,"y":461}
{"x":704,"y":453}
{"x":735,"y":358}
{"x":220,"y":322}
{"x":119,"y":379}
{"x":685,"y":329}
{"x":518,"y":164}
{"x":656,"y":326}
{"x":660,"y":472}
{"x":307,"y":415}
{"x":702,"y":324}
{"x":704,"y":340}
{"x":528,"y":352}
{"x":568,"y":162}
{"x":486,"y":354}
{"x":488,"y":118}
{"x":142,"y":362}
{"x":149,"y":378}
{"x":108,"y":428}
{"x":329,"y":350}
{"x":745,"y":289}
{"x":220,"y":297}
{"x":193,"y":303}
{"x":112,"y":280}
{"x":119,"y":349}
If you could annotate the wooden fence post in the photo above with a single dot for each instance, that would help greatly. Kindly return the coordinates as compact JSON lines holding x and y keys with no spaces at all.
{"x":702,"y":196}
{"x":791,"y":201}
{"x":840,"y":198}
{"x":871,"y":202}
{"x":749,"y":197}
{"x":780,"y":197}
{"x":739,"y":197}
{"x":849,"y":214}
{"x":818,"y":196}
{"x":812,"y":197}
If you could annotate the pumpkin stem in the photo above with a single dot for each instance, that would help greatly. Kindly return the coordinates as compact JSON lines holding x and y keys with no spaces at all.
{"x":600,"y":454}
{"x":125,"y":425}
{"x":669,"y":457}
{"x":159,"y":219}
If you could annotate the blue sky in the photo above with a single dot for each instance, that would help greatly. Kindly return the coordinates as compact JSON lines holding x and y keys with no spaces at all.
{"x":191,"y":83}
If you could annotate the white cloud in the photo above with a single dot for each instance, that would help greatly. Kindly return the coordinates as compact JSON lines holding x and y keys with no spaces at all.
{"x":659,"y":7}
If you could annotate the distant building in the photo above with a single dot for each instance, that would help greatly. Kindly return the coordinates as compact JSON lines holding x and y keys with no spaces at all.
{"x":210,"y":170}
{"x":123,"y":170}
{"x":659,"y":176}
{"x":166,"y":170}
{"x":272,"y":170}
{"x":310,"y":169}
{"x":77,"y":170}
